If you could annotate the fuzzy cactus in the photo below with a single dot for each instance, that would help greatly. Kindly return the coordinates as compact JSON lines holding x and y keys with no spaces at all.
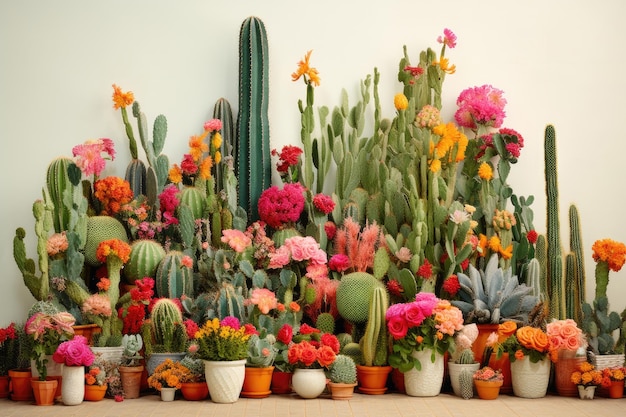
{"x":343,"y":370}
{"x":253,"y":149}
{"x":353,"y":296}
{"x":325,"y":323}
{"x":101,"y":228}
{"x":261,"y":352}
{"x":174,"y":276}
{"x":466,"y":357}
{"x":353,"y":350}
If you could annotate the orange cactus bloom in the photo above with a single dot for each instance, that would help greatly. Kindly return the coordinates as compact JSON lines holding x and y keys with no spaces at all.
{"x":121,"y":99}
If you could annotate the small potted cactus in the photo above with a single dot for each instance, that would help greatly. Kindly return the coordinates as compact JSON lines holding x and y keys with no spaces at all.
{"x":463,"y":358}
{"x":342,"y":376}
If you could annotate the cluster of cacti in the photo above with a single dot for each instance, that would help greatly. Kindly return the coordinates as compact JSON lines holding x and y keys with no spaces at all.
{"x":166,"y":331}
{"x":494,"y":295}
{"x":466,"y":382}
{"x":565,"y":277}
{"x":173,"y":278}
{"x":374,"y":343}
{"x":599,"y":323}
{"x":343,"y":370}
{"x":253,"y":135}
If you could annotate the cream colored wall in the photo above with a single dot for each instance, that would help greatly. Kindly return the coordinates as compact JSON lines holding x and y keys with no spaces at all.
{"x":559,"y":62}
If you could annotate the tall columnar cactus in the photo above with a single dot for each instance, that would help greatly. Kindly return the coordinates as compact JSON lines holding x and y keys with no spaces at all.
{"x":173,"y":278}
{"x":253,"y":152}
{"x":466,"y":382}
{"x":59,"y":185}
{"x":222,"y":111}
{"x":374,"y":344}
{"x":565,"y":274}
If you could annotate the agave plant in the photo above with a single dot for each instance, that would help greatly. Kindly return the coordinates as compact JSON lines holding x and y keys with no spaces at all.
{"x":494,"y":295}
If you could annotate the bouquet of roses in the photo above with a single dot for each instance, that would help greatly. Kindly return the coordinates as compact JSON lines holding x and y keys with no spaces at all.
{"x":313,"y":354}
{"x":74,"y":352}
{"x":527,"y":341}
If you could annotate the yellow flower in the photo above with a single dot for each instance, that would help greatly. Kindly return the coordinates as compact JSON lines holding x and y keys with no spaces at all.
{"x":445,"y":66}
{"x":435,"y":165}
{"x":205,"y":168}
{"x":121,"y":99}
{"x":217,"y":140}
{"x":494,"y":243}
{"x":218,"y":157}
{"x":175,"y":174}
{"x":485,"y":171}
{"x":400,"y":101}
{"x":197,"y":146}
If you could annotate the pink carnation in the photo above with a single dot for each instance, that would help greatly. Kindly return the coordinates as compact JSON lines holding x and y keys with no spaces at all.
{"x":213,"y":124}
{"x":482,"y":105}
{"x":339,"y":262}
{"x":323,"y":203}
{"x":279,"y":207}
{"x":231,"y":322}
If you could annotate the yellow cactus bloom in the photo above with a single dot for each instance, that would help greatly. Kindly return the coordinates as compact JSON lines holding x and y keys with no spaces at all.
{"x":485,"y":171}
{"x":175,"y":174}
{"x":217,"y":140}
{"x":435,"y":165}
{"x":445,"y":66}
{"x":400,"y":101}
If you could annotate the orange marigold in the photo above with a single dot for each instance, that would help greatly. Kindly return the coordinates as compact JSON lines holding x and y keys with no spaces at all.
{"x":113,"y":247}
{"x":121,"y":99}
{"x":611,"y":252}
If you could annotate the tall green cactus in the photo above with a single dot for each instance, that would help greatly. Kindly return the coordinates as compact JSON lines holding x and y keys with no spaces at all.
{"x":253,"y":152}
{"x":156,"y":174}
{"x":222,"y":111}
{"x":575,"y":273}
{"x":173,"y":279}
{"x":167,"y":327}
{"x":374,"y":344}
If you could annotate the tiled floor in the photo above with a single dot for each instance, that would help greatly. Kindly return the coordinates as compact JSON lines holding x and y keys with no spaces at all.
{"x":388,"y":405}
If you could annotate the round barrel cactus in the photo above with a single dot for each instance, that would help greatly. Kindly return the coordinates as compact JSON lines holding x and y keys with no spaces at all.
{"x":145,"y":257}
{"x":99,"y":229}
{"x":353,"y":296}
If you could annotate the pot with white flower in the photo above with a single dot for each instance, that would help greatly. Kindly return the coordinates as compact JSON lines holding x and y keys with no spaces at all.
{"x":74,"y":354}
{"x":259,"y":366}
{"x":342,"y":375}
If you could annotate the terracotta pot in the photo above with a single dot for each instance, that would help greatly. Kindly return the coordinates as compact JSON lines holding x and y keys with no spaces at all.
{"x":44,"y":391}
{"x":131,"y":380}
{"x":257,"y":382}
{"x":487,"y":390}
{"x":281,"y":382}
{"x":19,"y":385}
{"x":616,"y":389}
{"x":4,"y":386}
{"x":194,"y":391}
{"x":339,"y":391}
{"x":567,"y":363}
{"x":95,"y":392}
{"x":87,"y":330}
{"x":478,"y":347}
{"x":372,"y":379}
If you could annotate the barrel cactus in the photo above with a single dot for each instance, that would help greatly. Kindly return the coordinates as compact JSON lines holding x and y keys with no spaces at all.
{"x":166,"y":322}
{"x":174,"y":276}
{"x":145,"y":257}
{"x":99,"y":229}
{"x":195,"y":200}
{"x":353,"y":296}
{"x":343,"y":370}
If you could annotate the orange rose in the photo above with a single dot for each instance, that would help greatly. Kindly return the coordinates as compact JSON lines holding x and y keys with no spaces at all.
{"x":541,"y":343}
{"x":519,"y":355}
{"x":325,"y":356}
{"x":506,"y":329}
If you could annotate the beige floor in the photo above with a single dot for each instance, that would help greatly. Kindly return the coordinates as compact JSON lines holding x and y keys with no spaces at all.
{"x":388,"y":405}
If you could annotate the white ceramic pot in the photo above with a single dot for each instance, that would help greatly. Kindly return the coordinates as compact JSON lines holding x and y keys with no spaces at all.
{"x":455,"y":369}
{"x":225,"y":379}
{"x":73,"y":387}
{"x":308,"y":383}
{"x":168,"y":394}
{"x":530,"y":380}
{"x":426,"y":382}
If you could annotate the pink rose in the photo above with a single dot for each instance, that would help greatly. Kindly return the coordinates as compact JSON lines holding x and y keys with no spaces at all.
{"x":397,"y":327}
{"x":414,"y":314}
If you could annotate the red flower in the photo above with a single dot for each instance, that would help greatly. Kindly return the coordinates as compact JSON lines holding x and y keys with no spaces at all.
{"x":532,"y":236}
{"x":394,"y":288}
{"x":339,"y":262}
{"x":323,"y":203}
{"x":250,"y":329}
{"x":325,"y":356}
{"x":285,"y":334}
{"x":306,"y":329}
{"x":289,"y":156}
{"x":330,"y":340}
{"x":451,"y":285}
{"x":331,"y":229}
{"x":277,"y":207}
{"x":426,"y":270}
{"x":191,"y":327}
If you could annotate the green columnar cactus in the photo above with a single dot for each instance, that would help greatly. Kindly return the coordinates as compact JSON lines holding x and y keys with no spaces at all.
{"x":165,"y":318}
{"x":222,"y":111}
{"x":145,"y":257}
{"x":353,"y":350}
{"x":374,"y":344}
{"x":343,"y":370}
{"x":541,"y":254}
{"x":575,"y":275}
{"x":253,"y":158}
{"x":466,"y":382}
{"x":173,"y":278}
{"x":59,"y":184}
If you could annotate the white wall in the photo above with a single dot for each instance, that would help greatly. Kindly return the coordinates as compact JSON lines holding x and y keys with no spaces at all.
{"x":559,"y":62}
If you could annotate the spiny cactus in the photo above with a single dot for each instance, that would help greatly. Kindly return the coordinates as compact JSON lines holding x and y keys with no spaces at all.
{"x":325,"y":323}
{"x":145,"y":257}
{"x":374,"y":344}
{"x":575,"y":268}
{"x":599,"y":324}
{"x":253,"y":151}
{"x":173,"y":277}
{"x":494,"y":295}
{"x":167,"y":330}
{"x":466,"y":382}
{"x":354,"y":294}
{"x":343,"y":370}
{"x":99,"y":229}
{"x":156,"y":174}
{"x":222,"y":111}
{"x":353,"y":350}
{"x":466,"y":357}
{"x":59,"y":186}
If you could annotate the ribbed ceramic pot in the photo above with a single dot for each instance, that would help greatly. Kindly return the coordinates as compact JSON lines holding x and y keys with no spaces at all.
{"x":530,"y":380}
{"x":225,"y":379}
{"x":426,"y":382}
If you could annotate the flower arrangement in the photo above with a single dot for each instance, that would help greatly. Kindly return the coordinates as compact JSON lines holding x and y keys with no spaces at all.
{"x":96,"y":374}
{"x":8,"y":348}
{"x":426,"y":323}
{"x":487,"y":373}
{"x":168,"y":374}
{"x":587,"y":375}
{"x":224,"y":340}
{"x":565,"y":335}
{"x":74,"y":352}
{"x":617,"y":373}
{"x":313,"y":354}
{"x":47,"y":331}
{"x":527,"y":341}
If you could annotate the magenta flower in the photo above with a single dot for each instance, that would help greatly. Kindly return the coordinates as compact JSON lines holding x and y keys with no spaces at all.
{"x":323,"y":203}
{"x":75,"y":352}
{"x":88,"y":156}
{"x":482,"y":105}
{"x":448,"y":38}
{"x":231,"y":322}
{"x":280,"y":207}
{"x":339,"y":262}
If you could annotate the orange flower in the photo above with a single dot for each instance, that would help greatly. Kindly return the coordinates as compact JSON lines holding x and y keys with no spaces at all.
{"x":113,"y":247}
{"x":419,"y":339}
{"x":533,"y":338}
{"x":121,"y":99}
{"x":519,"y":355}
{"x":293,"y":306}
{"x":305,"y":69}
{"x":507,"y":328}
{"x":611,"y":252}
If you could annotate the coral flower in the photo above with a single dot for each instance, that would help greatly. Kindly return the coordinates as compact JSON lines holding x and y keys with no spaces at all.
{"x":304,"y":69}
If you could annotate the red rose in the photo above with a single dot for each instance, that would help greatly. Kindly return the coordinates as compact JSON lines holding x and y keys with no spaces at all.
{"x":330,"y":340}
{"x":325,"y":356}
{"x":285,"y":334}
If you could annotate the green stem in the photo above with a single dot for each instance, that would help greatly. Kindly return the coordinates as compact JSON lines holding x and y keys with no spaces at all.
{"x":602,"y":279}
{"x":129,"y":133}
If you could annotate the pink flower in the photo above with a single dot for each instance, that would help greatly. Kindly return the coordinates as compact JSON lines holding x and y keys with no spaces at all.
{"x":331,"y":229}
{"x":482,"y":105}
{"x":88,"y":156}
{"x":403,"y":254}
{"x":397,"y":327}
{"x":339,"y":262}
{"x":264,"y":299}
{"x":231,"y":322}
{"x":75,"y":352}
{"x":236,"y":239}
{"x":213,"y":124}
{"x":57,"y":243}
{"x":316,"y":271}
{"x":191,"y":328}
{"x":278,"y":207}
{"x":305,"y":249}
{"x":448,"y":38}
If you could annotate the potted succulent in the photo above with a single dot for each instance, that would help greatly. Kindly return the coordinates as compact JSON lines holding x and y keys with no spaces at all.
{"x":167,"y":378}
{"x":96,"y":380}
{"x":259,"y":366}
{"x":488,"y":382}
{"x":342,"y":376}
{"x":131,"y":367}
{"x":8,"y":356}
{"x":462,"y":357}
{"x":193,"y":386}
{"x":164,"y":335}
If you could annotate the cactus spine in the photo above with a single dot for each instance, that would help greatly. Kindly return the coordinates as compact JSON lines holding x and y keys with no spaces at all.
{"x":466,"y":382}
{"x":57,"y":182}
{"x":253,"y":149}
{"x":167,"y":325}
{"x":466,"y":357}
{"x":343,"y":370}
{"x":374,"y":342}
